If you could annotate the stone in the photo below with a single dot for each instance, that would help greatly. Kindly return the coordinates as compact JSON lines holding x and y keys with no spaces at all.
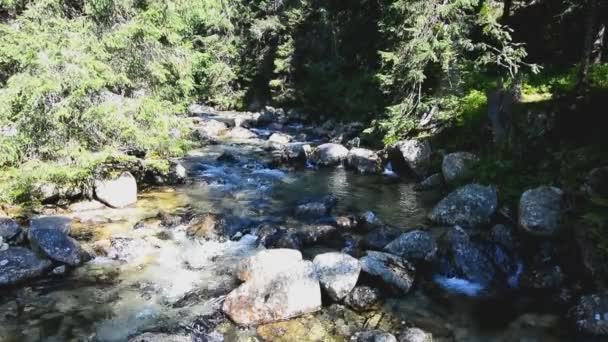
{"x":380,"y":237}
{"x":60,"y":223}
{"x":596,"y":183}
{"x":415,"y":245}
{"x":203,"y":227}
{"x":58,"y":246}
{"x":432,"y":182}
{"x":363,"y":298}
{"x":18,"y":264}
{"x":329,"y":154}
{"x":458,"y":167}
{"x":241,"y":133}
{"x":540,"y":211}
{"x":590,"y":314}
{"x":415,"y":335}
{"x":297,"y":152}
{"x":9,"y":229}
{"x":158,"y":337}
{"x":211,"y":129}
{"x":316,"y":209}
{"x":301,"y":329}
{"x":275,"y":297}
{"x":279,"y":138}
{"x":266,"y":263}
{"x":369,"y":221}
{"x":364,"y":161}
{"x":86,"y":206}
{"x":119,"y":192}
{"x":394,"y":270}
{"x":373,"y":336}
{"x":471,"y":205}
{"x":338,"y":273}
{"x":416,"y":154}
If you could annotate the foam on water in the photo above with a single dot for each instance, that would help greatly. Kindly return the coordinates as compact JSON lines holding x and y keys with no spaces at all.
{"x":459,"y":285}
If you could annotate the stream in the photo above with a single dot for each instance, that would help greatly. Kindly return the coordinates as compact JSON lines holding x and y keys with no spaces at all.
{"x":161,"y":279}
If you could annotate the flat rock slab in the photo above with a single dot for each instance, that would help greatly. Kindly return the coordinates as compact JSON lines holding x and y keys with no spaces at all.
{"x":394,"y":270}
{"x":18,"y":264}
{"x":57,"y":246}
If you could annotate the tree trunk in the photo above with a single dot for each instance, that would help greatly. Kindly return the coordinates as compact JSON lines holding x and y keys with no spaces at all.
{"x":506,"y":12}
{"x":590,"y":34}
{"x":598,"y":45}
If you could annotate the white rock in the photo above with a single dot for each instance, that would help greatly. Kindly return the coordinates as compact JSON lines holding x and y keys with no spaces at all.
{"x":117,"y":193}
{"x":338,"y":273}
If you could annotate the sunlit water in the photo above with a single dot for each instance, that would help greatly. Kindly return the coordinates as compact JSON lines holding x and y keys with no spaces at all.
{"x":160,"y":281}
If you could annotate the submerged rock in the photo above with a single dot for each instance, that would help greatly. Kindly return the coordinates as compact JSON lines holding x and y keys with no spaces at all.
{"x":364,"y":161}
{"x":158,"y":337}
{"x":10,"y":231}
{"x":363,"y":298}
{"x":57,"y":246}
{"x":19,"y":264}
{"x":338,"y":273}
{"x":316,"y":209}
{"x":415,"y":154}
{"x":540,"y":210}
{"x":415,"y":245}
{"x":86,"y":206}
{"x":379,"y":237}
{"x":392,"y":269}
{"x":590,"y":314}
{"x":458,"y":167}
{"x":292,"y":292}
{"x":118,"y":192}
{"x":329,"y":154}
{"x":302,"y":329}
{"x":470,"y":206}
{"x":434,"y":181}
{"x":373,"y":336}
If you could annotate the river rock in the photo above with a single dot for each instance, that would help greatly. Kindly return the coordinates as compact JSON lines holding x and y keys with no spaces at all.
{"x":297,"y":152}
{"x":86,"y":206}
{"x":394,"y":270}
{"x":373,"y":336}
{"x":380,"y":237}
{"x":329,"y":154}
{"x":415,"y":154}
{"x":271,"y":298}
{"x":434,"y":181}
{"x":590,"y":314}
{"x":60,"y":223}
{"x":364,"y":161}
{"x":158,"y":337}
{"x":57,"y":246}
{"x":10,"y":231}
{"x":415,"y":245}
{"x":316,"y":209}
{"x":363,"y":298}
{"x":458,"y":167}
{"x":369,"y":221}
{"x":415,"y":335}
{"x":265,"y":263}
{"x":119,"y":192}
{"x":211,"y":129}
{"x":338,"y":273}
{"x":241,"y":133}
{"x":470,"y":206}
{"x":279,"y":138}
{"x":316,"y":233}
{"x":540,"y":210}
{"x":19,"y":264}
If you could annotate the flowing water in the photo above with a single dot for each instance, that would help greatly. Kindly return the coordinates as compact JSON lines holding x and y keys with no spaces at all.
{"x":156,"y":279}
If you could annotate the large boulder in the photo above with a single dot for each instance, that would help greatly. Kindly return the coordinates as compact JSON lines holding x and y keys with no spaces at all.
{"x":470,"y":206}
{"x":211,"y":129}
{"x":60,"y":223}
{"x":415,"y":335}
{"x":283,"y":295}
{"x":265,"y":263}
{"x":394,"y":270}
{"x":458,"y":167}
{"x":18,"y":264}
{"x":364,"y":161}
{"x":373,"y":336}
{"x":329,"y":154}
{"x":338,"y":273}
{"x":279,"y":138}
{"x":380,"y":237}
{"x":415,"y":245}
{"x":540,"y":210}
{"x":119,"y":192}
{"x":58,"y":246}
{"x":412,"y":155}
{"x":297,"y":152}
{"x":10,"y":231}
{"x":590,"y":314}
{"x":240,"y":133}
{"x":362,"y":298}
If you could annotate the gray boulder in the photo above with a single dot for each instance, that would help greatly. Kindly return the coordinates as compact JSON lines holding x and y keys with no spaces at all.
{"x":279,"y":138}
{"x":211,"y":129}
{"x":540,"y":210}
{"x":329,"y":154}
{"x":373,"y":336}
{"x":58,"y":246}
{"x":241,"y":133}
{"x":432,"y":182}
{"x":362,"y":298}
{"x":316,"y":209}
{"x":10,"y":231}
{"x":379,"y":237}
{"x":415,"y":245}
{"x":18,"y":264}
{"x":590,"y":314}
{"x":338,"y":273}
{"x":364,"y":161}
{"x":470,"y":206}
{"x":287,"y":294}
{"x":119,"y":192}
{"x":394,"y":270}
{"x":415,"y":335}
{"x":266,"y":263}
{"x":415,"y":153}
{"x":60,"y":223}
{"x":458,"y":167}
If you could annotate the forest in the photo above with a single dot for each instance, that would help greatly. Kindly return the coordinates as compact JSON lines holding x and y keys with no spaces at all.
{"x":90,"y":89}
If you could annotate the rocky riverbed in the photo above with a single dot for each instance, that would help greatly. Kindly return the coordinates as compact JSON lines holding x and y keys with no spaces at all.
{"x":289,"y":232}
